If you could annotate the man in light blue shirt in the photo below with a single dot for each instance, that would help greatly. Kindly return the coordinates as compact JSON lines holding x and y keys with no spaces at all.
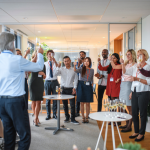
{"x":13,"y":108}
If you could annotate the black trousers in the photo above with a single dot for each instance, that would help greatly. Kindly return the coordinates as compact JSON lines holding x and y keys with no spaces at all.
{"x":50,"y":87}
{"x":77,"y":107}
{"x":15,"y":119}
{"x":72,"y":104}
{"x":101,"y":90}
{"x":26,"y":89}
{"x":140,"y":103}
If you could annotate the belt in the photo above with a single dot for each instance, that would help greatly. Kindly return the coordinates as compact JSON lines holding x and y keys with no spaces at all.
{"x":51,"y":80}
{"x":67,"y":88}
{"x":7,"y":97}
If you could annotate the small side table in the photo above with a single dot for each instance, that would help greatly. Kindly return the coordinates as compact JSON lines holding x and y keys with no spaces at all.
{"x":58,"y":98}
{"x":101,"y":116}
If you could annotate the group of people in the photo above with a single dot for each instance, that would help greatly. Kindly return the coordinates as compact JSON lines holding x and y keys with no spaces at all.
{"x":122,"y":80}
{"x":77,"y":80}
{"x":129,"y":81}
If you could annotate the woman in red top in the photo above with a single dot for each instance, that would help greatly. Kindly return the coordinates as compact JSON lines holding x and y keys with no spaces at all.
{"x":114,"y":77}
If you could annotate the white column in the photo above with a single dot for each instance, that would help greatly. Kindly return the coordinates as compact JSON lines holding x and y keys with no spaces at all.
{"x":93,"y":54}
{"x":24,"y":43}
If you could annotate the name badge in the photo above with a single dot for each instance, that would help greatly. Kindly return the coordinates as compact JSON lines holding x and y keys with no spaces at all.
{"x":111,"y":79}
{"x":39,"y":75}
{"x":87,"y":83}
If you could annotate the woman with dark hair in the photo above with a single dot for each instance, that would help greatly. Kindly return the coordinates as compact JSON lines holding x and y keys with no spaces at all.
{"x":114,"y":77}
{"x":85,"y":89}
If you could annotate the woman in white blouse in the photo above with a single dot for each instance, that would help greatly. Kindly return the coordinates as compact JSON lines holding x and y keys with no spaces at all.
{"x":140,"y":94}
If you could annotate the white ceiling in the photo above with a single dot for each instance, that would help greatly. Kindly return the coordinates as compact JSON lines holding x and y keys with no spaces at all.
{"x":50,"y":11}
{"x":76,"y":19}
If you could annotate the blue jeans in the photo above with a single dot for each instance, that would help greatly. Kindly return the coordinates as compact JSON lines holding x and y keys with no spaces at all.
{"x":15,"y":119}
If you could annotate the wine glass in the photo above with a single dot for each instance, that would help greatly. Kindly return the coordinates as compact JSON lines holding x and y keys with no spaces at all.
{"x":110,"y":53}
{"x":111,"y":107}
{"x":121,"y":55}
{"x":124,"y":106}
{"x":115,"y":105}
{"x":60,"y":60}
{"x":75,"y":59}
{"x":120,"y":105}
{"x":140,"y":58}
{"x":57,"y":89}
{"x":99,"y":55}
{"x":52,"y":55}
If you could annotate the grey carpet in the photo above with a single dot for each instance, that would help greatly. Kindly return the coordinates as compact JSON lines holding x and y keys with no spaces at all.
{"x":84,"y":135}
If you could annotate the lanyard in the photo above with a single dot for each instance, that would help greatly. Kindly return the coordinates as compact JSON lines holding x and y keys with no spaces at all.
{"x":50,"y":66}
{"x":88,"y":74}
{"x":138,"y":72}
{"x":112,"y":72}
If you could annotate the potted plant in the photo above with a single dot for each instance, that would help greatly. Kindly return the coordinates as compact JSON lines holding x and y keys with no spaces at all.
{"x":130,"y":146}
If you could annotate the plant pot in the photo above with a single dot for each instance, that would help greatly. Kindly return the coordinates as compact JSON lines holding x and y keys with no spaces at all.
{"x":148,"y":125}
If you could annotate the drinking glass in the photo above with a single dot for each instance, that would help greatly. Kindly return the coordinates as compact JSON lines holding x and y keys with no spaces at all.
{"x":52,"y":55}
{"x":111,"y":108}
{"x":140,"y":59}
{"x":121,"y":55}
{"x":60,"y":60}
{"x":57,"y":89}
{"x":99,"y":55}
{"x":124,"y":106}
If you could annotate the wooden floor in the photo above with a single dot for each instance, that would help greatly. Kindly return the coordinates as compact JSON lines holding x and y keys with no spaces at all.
{"x":125,"y":136}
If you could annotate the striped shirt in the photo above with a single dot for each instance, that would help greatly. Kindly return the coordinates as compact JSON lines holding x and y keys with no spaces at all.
{"x":90,"y":73}
{"x":127,"y":77}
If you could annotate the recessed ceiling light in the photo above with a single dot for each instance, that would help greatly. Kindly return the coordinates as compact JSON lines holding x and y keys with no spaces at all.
{"x":103,"y":37}
{"x":25,"y":18}
{"x":39,"y":31}
{"x":45,"y":37}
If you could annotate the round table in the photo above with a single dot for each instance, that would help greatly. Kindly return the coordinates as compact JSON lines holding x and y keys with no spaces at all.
{"x":105,"y":117}
{"x":58,"y":98}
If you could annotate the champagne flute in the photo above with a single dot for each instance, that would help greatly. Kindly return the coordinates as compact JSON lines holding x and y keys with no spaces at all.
{"x":124,"y":106}
{"x":61,"y":89}
{"x":56,"y":89}
{"x":60,"y":60}
{"x":110,"y":53}
{"x":52,"y":55}
{"x":75,"y":59}
{"x":105,"y":105}
{"x":111,"y":107}
{"x":140,"y":59}
{"x":99,"y":55}
{"x":121,"y":55}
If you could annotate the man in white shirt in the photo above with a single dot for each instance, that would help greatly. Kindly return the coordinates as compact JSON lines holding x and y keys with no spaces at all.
{"x":50,"y":83}
{"x":102,"y":76}
{"x":69,"y":81}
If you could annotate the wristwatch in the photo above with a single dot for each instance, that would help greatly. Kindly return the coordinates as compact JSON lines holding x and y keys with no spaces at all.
{"x":139,"y":80}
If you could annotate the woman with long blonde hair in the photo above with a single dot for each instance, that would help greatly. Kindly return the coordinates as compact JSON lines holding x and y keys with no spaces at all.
{"x":125,"y":87}
{"x":140,"y":94}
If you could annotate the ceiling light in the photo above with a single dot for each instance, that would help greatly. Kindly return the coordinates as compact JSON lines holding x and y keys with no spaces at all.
{"x":109,"y":31}
{"x":103,"y":37}
{"x":25,"y":18}
{"x":39,"y":31}
{"x":45,"y":37}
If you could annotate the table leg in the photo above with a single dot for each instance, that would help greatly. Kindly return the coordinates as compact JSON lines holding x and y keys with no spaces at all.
{"x":113,"y":136}
{"x":119,"y":134}
{"x":99,"y":136}
{"x":105,"y":135}
{"x":58,"y":128}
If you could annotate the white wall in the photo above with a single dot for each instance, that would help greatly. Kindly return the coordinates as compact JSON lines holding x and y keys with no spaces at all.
{"x":146,"y":33}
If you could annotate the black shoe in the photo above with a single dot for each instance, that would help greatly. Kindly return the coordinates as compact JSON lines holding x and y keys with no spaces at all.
{"x":67,"y":120}
{"x":54,"y":116}
{"x":47,"y":118}
{"x":123,"y":127}
{"x":138,"y":140}
{"x":75,"y":122}
{"x":132,"y":137}
{"x":77,"y":115}
{"x":126,"y":130}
